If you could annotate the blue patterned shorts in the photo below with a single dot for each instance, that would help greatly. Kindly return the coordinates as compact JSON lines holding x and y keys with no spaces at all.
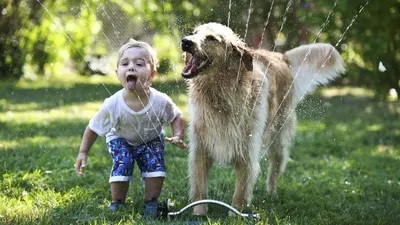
{"x":149,"y":157}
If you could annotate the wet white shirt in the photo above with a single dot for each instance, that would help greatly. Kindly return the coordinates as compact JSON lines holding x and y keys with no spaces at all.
{"x":116,"y":120}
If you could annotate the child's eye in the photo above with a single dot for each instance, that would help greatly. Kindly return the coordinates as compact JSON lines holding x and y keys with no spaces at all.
{"x":140,"y":63}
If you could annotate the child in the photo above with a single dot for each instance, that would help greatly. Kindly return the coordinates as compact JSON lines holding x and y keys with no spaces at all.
{"x":132,"y":121}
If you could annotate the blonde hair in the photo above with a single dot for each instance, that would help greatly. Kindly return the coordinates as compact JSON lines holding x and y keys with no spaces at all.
{"x":132,"y":43}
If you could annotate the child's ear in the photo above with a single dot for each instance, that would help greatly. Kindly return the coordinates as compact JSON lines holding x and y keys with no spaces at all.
{"x":151,"y":77}
{"x":153,"y":74}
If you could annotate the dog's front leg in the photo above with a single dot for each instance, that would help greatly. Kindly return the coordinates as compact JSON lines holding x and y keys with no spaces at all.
{"x":246,"y":177}
{"x":199,"y":166}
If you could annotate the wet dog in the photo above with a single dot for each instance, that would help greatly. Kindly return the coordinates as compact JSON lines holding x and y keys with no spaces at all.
{"x":241,"y":105}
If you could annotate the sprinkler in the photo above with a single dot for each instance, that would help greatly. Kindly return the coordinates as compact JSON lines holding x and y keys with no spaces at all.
{"x":164,"y":210}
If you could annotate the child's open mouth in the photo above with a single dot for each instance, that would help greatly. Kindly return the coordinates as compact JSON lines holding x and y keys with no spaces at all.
{"x":131,"y":82}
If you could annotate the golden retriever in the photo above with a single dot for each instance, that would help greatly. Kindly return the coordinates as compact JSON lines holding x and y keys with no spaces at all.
{"x":241,"y":105}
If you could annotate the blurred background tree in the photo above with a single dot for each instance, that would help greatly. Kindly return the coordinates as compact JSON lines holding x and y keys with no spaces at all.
{"x":46,"y":37}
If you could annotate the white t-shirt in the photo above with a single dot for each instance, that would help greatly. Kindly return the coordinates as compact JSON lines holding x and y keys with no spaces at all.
{"x":116,"y":120}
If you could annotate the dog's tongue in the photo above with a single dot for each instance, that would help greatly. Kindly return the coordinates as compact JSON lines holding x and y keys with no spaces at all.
{"x":190,"y":66}
{"x":131,"y":83}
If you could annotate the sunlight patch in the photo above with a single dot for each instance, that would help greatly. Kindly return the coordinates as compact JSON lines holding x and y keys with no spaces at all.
{"x":344,"y":91}
{"x":385,"y":149}
{"x":375,"y":127}
{"x":7,"y":145}
{"x":341,"y":127}
{"x":307,"y":126}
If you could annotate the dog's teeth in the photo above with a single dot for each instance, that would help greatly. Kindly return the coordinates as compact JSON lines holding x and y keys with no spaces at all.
{"x":202,"y":64}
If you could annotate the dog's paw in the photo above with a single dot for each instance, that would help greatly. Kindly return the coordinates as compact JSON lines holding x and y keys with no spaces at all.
{"x":200,"y":210}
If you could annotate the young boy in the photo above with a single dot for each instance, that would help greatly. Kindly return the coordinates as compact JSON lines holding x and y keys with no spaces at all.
{"x":132,"y":121}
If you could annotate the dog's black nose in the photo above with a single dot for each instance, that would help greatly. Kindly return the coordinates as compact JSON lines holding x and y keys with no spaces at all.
{"x":186,"y":44}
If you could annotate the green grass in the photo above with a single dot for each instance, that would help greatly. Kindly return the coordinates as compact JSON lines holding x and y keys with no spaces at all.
{"x":344,"y":166}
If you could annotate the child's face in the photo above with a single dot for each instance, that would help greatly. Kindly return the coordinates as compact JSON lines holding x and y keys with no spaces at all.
{"x":134,"y":69}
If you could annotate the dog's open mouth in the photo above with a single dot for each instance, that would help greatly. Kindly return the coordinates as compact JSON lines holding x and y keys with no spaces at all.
{"x":131,"y":82}
{"x":195,"y":65}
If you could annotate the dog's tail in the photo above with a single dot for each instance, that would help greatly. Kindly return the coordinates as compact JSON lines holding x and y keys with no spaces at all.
{"x":312,"y":65}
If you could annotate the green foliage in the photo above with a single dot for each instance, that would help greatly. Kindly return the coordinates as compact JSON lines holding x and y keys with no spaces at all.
{"x":12,"y":27}
{"x":43,"y":37}
{"x":375,"y":40}
{"x":343,"y":169}
{"x":168,"y":53}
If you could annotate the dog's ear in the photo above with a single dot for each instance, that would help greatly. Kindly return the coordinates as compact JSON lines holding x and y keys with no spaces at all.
{"x":246,"y":56}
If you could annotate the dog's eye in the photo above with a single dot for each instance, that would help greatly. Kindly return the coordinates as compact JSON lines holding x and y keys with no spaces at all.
{"x":212,"y":38}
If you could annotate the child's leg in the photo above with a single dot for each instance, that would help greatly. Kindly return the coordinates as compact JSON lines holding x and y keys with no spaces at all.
{"x":119,"y":191}
{"x":152,"y":167}
{"x":122,"y":170}
{"x":152,"y":188}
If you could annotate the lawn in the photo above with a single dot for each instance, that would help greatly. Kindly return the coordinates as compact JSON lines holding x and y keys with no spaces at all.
{"x":344,"y":167}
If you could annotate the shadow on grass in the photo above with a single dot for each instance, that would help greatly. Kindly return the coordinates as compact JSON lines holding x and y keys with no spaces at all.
{"x":57,"y":129}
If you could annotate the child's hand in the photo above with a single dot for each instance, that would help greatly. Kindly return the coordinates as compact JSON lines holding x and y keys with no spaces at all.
{"x":176,"y":141}
{"x":80,"y":163}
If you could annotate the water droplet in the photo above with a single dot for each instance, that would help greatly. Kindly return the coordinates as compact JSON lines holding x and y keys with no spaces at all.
{"x":381,"y":67}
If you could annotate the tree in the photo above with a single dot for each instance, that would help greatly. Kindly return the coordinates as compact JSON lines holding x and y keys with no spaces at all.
{"x":374,"y":38}
{"x":44,"y":34}
{"x":16,"y":17}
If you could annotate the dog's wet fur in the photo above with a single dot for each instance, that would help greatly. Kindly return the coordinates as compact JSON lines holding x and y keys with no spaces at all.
{"x":241,"y":105}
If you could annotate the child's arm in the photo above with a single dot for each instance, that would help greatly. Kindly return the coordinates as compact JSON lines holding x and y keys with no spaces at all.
{"x":178,"y":132}
{"x":89,"y":137}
